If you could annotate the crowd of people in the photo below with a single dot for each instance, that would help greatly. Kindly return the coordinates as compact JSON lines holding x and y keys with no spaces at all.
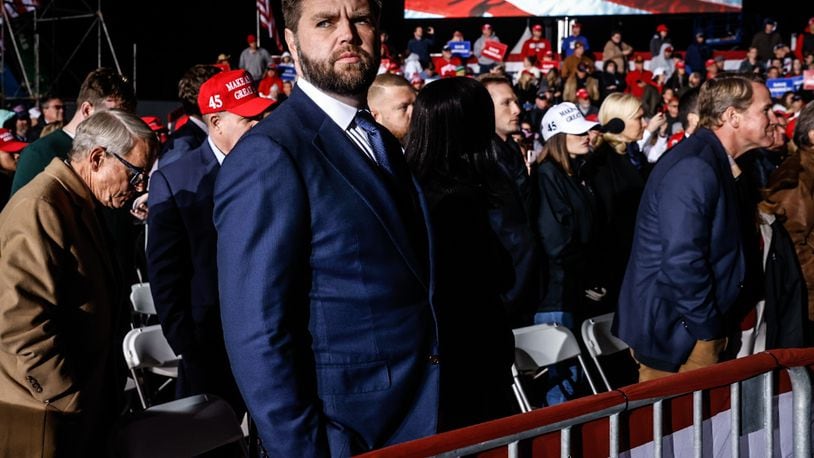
{"x":343,"y":255}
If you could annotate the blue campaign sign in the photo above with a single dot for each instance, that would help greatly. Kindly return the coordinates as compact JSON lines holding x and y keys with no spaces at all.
{"x":778,"y":86}
{"x":287,"y":72}
{"x":460,"y":48}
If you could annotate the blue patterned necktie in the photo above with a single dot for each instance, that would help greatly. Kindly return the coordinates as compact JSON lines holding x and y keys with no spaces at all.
{"x":365,"y":121}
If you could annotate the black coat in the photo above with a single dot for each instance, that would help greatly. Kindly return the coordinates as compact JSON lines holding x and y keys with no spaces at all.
{"x":564,"y":222}
{"x":610,"y":83}
{"x":618,"y":187}
{"x":472,"y":268}
{"x":786,"y":312}
{"x":515,"y":198}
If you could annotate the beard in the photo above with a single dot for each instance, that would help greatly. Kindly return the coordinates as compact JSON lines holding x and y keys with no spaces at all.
{"x":349,"y":79}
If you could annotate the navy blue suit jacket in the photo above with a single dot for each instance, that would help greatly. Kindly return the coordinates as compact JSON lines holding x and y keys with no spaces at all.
{"x":687,"y":266}
{"x":186,"y":138}
{"x":181,"y":261}
{"x":325,"y":301}
{"x":181,"y":244}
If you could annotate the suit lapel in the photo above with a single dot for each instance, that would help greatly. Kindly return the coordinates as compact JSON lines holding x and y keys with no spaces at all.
{"x":369,"y":185}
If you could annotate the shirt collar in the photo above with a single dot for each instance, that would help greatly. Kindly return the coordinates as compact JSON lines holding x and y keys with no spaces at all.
{"x":218,"y":153}
{"x":340,"y":113}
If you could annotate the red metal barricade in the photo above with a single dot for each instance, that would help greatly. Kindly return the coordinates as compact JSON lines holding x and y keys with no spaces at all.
{"x":605,"y":424}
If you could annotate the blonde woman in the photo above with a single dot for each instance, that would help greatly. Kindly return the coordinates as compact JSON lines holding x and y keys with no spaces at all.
{"x":617,"y":172}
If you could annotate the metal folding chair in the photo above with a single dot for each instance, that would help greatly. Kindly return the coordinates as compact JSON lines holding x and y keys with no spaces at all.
{"x":147,"y":349}
{"x":596,"y":334}
{"x":142,"y":299}
{"x":185,"y":427}
{"x":540,"y":346}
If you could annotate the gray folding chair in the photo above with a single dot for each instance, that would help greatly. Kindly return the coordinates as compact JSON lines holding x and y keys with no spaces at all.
{"x":596,"y":334}
{"x":147,"y":349}
{"x":540,"y":346}
{"x":142,"y":299}
{"x":185,"y":427}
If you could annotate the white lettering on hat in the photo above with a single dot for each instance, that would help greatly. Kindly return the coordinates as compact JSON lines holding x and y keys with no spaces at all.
{"x":215,"y":102}
{"x":570,"y":114}
{"x":234,"y":84}
{"x":245,"y":92}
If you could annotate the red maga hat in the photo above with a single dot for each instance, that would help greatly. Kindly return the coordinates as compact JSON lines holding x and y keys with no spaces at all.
{"x":234,"y":92}
{"x":10,"y":144}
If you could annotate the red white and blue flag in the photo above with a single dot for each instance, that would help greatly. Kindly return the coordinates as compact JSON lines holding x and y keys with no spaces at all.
{"x":14,"y":8}
{"x":267,"y":21}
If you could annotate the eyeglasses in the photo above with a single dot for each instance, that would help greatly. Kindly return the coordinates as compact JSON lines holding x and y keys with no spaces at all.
{"x":139,"y":175}
{"x":55,"y":107}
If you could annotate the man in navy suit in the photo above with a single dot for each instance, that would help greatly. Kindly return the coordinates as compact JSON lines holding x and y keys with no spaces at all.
{"x":687,"y":266}
{"x":323,"y":255}
{"x":193,"y":132}
{"x":182,"y":241}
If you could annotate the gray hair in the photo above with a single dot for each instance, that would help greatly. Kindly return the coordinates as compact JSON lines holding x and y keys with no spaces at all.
{"x":115,"y":130}
{"x":805,"y":124}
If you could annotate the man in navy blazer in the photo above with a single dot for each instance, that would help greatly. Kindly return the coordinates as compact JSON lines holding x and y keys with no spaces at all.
{"x":323,"y":256}
{"x":182,"y":242}
{"x":193,"y":133}
{"x":687,"y":264}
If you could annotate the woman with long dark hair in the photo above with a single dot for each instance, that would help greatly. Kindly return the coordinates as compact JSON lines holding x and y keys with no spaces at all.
{"x":449,"y":151}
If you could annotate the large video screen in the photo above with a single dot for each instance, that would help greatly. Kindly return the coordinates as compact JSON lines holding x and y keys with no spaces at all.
{"x":414,"y":9}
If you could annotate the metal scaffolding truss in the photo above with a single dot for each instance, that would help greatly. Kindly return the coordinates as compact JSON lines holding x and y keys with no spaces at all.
{"x":51,"y":13}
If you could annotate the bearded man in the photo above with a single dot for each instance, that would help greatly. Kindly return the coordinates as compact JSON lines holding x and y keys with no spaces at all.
{"x":323,"y":255}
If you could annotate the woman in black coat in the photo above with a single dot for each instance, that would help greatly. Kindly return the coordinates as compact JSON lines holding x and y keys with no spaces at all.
{"x":617,"y":171}
{"x":565,"y":217}
{"x":564,"y":223}
{"x":449,"y":151}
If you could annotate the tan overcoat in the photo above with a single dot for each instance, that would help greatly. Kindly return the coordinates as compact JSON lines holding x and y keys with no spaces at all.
{"x":60,"y":345}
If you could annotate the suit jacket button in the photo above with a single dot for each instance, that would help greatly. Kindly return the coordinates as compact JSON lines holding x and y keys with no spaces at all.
{"x":434,"y":359}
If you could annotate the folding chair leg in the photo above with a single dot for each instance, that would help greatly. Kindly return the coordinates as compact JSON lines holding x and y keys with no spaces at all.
{"x":244,"y":450}
{"x":164,"y":385}
{"x":138,"y":389}
{"x":519,"y":393}
{"x":254,"y":439}
{"x":601,"y":373}
{"x":587,"y":375}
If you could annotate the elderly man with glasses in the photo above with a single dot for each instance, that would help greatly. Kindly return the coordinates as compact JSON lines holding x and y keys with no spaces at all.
{"x":62,"y":299}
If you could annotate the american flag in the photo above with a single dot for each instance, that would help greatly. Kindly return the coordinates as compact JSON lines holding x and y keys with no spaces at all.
{"x":267,"y":21}
{"x":15,"y":8}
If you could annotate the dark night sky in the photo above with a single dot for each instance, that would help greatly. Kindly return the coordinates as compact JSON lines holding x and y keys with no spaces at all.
{"x":172,"y":35}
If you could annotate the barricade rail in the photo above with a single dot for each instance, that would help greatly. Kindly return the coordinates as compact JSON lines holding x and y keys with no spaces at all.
{"x":603,"y":421}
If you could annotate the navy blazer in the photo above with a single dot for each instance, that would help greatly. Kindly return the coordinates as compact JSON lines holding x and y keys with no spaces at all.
{"x":687,"y":265}
{"x":181,"y":244}
{"x":186,"y":138}
{"x":324,"y":299}
{"x":181,"y":261}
